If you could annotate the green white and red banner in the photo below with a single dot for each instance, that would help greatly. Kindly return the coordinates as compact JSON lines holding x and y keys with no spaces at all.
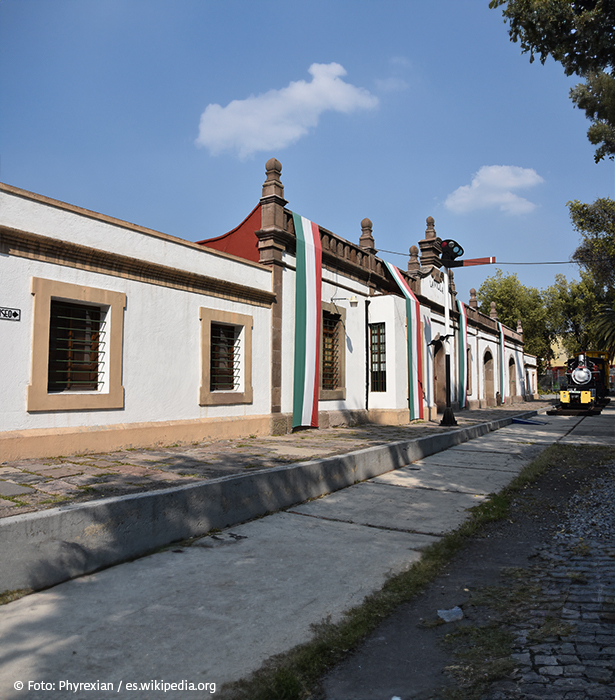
{"x":501,"y":353}
{"x":415,"y":349}
{"x":308,"y":288}
{"x":463,"y":355}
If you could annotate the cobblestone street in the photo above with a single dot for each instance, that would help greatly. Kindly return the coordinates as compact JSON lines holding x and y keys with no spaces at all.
{"x":565,"y":646}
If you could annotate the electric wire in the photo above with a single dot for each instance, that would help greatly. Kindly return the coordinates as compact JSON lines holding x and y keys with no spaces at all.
{"x":555,"y":262}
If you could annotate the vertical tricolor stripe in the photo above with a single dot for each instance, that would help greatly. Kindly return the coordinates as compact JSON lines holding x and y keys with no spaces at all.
{"x":501,"y":354}
{"x":307,"y":322}
{"x":415,"y":349}
{"x":463,"y":355}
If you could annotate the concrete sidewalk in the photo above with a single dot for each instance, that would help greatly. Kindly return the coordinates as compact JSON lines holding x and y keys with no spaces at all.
{"x":35,"y":484}
{"x":87,"y":532}
{"x":215,"y":611}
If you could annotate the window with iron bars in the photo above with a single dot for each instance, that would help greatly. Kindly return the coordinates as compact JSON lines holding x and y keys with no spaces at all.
{"x":225,"y":357}
{"x":330,"y":350}
{"x":378,"y":357}
{"x":76,"y":347}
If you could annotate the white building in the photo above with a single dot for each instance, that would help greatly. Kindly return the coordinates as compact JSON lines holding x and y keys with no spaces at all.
{"x":113,"y":335}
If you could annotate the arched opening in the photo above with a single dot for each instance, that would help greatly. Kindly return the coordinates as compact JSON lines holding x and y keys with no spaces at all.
{"x":512,"y":378}
{"x":488,"y":383}
{"x":439,"y":376}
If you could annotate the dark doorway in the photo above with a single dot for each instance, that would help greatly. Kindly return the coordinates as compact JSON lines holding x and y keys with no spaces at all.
{"x":512,"y":378}
{"x":439,"y":376}
{"x":488,"y":379}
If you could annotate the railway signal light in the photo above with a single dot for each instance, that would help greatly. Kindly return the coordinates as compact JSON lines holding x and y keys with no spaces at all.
{"x":451,"y":250}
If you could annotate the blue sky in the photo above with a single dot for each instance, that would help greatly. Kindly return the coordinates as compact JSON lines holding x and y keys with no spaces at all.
{"x":164,"y":112}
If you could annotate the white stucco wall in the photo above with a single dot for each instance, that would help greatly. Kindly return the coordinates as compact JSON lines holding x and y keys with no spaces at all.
{"x":61,"y":224}
{"x":162,"y":336}
{"x":391,"y":310}
{"x":161,"y":353}
{"x":336,"y":289}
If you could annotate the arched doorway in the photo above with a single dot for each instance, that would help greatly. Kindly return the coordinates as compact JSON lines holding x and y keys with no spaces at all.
{"x":512,"y":378}
{"x":488,"y":383}
{"x":439,"y":376}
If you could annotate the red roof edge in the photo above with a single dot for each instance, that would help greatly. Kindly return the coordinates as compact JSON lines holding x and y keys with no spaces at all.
{"x":242,"y":240}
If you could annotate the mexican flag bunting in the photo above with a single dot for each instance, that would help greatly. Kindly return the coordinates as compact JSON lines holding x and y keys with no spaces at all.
{"x":463,"y":355}
{"x":415,"y":350}
{"x":501,"y":353}
{"x":307,"y":323}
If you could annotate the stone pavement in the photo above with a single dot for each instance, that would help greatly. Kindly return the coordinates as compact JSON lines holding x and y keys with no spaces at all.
{"x":214,"y":610}
{"x":29,"y":485}
{"x":574,"y":580}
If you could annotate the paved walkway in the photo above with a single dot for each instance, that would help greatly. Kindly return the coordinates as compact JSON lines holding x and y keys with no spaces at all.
{"x":215,"y":611}
{"x":29,"y":485}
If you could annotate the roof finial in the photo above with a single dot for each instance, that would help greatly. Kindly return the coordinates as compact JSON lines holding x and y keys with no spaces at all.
{"x":366,"y":242}
{"x":413,"y":263}
{"x":273,"y":183}
{"x":430,"y":231}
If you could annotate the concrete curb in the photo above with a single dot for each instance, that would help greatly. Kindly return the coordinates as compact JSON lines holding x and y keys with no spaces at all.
{"x":38,"y":550}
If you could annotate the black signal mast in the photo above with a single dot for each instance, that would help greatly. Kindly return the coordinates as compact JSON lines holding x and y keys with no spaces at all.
{"x":451,"y":250}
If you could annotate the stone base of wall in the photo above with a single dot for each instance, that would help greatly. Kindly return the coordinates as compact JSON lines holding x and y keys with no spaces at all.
{"x":487,"y":403}
{"x":383,"y":416}
{"x":54,"y":442}
{"x":24,"y":444}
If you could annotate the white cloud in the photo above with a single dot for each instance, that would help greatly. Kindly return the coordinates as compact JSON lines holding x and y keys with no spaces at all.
{"x":492,"y":186}
{"x":392,"y":84}
{"x":278,"y":118}
{"x":400,"y":61}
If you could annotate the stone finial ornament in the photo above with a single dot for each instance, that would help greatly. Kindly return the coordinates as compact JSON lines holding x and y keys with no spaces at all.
{"x":366,"y":242}
{"x":493,"y":313}
{"x":430,"y":231}
{"x":272,"y":200}
{"x":430,"y":247}
{"x":473,"y":299}
{"x":413,"y":262}
{"x":273,"y":183}
{"x":519,"y":327}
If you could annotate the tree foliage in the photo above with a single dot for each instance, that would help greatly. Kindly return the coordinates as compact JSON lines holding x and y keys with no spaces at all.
{"x":571,"y":309}
{"x":597,"y":98}
{"x":573,"y":312}
{"x":605,"y":330}
{"x":596,"y":257}
{"x":579,"y":34}
{"x":596,"y":253}
{"x":514,"y":301}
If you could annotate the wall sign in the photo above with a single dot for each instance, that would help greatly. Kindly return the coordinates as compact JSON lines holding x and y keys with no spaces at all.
{"x":10,"y":314}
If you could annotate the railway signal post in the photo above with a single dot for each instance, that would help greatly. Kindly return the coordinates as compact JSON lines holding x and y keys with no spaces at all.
{"x":451,"y":250}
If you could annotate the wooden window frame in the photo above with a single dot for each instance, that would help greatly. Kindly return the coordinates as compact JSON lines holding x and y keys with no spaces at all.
{"x":243,"y":394}
{"x":338,"y":394}
{"x":381,"y":345}
{"x":76,"y":347}
{"x":111,"y":396}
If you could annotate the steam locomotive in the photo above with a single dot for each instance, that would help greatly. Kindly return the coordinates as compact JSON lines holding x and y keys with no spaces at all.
{"x":587,"y":377}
